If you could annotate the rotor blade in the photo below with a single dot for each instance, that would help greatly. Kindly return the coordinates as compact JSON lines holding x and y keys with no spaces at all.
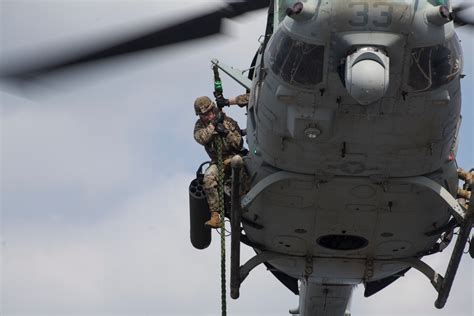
{"x":194,"y":28}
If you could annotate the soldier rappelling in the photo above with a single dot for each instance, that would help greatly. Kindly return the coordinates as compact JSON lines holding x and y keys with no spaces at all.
{"x":214,"y":122}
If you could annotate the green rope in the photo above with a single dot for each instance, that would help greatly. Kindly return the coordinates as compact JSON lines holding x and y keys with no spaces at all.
{"x":220,"y":179}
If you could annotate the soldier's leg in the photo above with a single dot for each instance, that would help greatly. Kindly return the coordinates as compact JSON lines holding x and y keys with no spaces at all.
{"x":210,"y":187}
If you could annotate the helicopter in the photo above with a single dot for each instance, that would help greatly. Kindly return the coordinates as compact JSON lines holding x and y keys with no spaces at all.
{"x":318,"y":130}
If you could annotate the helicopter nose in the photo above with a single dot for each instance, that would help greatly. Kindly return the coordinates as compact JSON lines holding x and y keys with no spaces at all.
{"x":367,"y":75}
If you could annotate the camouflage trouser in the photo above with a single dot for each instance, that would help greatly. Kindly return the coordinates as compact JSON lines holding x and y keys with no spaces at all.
{"x":211,"y":184}
{"x":210,"y":187}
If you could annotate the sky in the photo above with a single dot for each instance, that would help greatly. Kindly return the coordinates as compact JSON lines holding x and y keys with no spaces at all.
{"x":95,"y":171}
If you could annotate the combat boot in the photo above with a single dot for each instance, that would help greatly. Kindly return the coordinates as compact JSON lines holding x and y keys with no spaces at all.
{"x":214,"y":221}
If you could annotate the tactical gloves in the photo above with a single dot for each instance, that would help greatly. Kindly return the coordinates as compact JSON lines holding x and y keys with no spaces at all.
{"x":219,"y":127}
{"x":221,"y":102}
{"x":221,"y":130}
{"x":218,"y":119}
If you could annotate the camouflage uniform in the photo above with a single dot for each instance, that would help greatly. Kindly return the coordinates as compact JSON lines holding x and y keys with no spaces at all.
{"x":243,"y":99}
{"x":232,"y":145}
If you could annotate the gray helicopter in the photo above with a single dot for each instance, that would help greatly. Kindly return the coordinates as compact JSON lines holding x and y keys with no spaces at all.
{"x":352,"y":132}
{"x":352,"y":127}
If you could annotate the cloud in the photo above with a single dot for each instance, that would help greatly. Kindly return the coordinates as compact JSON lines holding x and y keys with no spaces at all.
{"x":115,"y":265}
{"x":94,"y":184}
{"x":139,"y":260}
{"x":413,"y":295}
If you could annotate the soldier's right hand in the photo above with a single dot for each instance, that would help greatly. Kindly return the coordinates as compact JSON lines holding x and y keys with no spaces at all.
{"x":221,"y":130}
{"x":219,"y":119}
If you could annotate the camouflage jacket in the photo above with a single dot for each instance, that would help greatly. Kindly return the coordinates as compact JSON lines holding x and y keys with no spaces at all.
{"x":205,"y":135}
{"x":243,"y":99}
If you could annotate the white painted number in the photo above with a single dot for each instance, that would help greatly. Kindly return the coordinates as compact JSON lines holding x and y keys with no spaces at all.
{"x":382,"y":14}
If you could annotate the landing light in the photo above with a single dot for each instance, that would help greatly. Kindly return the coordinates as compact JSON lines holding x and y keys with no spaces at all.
{"x":312,"y":132}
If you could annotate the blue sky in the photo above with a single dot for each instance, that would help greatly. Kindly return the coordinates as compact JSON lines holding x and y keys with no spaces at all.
{"x":95,"y":170}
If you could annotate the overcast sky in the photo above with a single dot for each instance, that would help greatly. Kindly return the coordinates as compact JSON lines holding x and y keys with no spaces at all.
{"x":95,"y":171}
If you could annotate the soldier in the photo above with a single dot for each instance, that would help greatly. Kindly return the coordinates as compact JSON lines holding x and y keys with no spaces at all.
{"x":212,"y":121}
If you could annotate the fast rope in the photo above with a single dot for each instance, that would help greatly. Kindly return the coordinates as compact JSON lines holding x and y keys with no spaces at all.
{"x":220,"y":183}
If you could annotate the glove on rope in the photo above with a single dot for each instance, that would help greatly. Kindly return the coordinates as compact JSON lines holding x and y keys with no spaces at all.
{"x":218,"y":119}
{"x":221,"y":130}
{"x":222,"y":102}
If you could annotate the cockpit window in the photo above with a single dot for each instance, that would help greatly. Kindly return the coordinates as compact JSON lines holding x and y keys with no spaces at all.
{"x":434,"y":66}
{"x":297,"y":62}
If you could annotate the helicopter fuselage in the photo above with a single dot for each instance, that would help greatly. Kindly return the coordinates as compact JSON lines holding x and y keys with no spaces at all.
{"x":339,"y":214}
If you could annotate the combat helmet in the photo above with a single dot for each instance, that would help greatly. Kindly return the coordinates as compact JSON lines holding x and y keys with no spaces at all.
{"x":203,"y":105}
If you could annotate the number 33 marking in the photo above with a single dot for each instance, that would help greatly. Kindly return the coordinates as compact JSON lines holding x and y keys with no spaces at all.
{"x":384,"y":18}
